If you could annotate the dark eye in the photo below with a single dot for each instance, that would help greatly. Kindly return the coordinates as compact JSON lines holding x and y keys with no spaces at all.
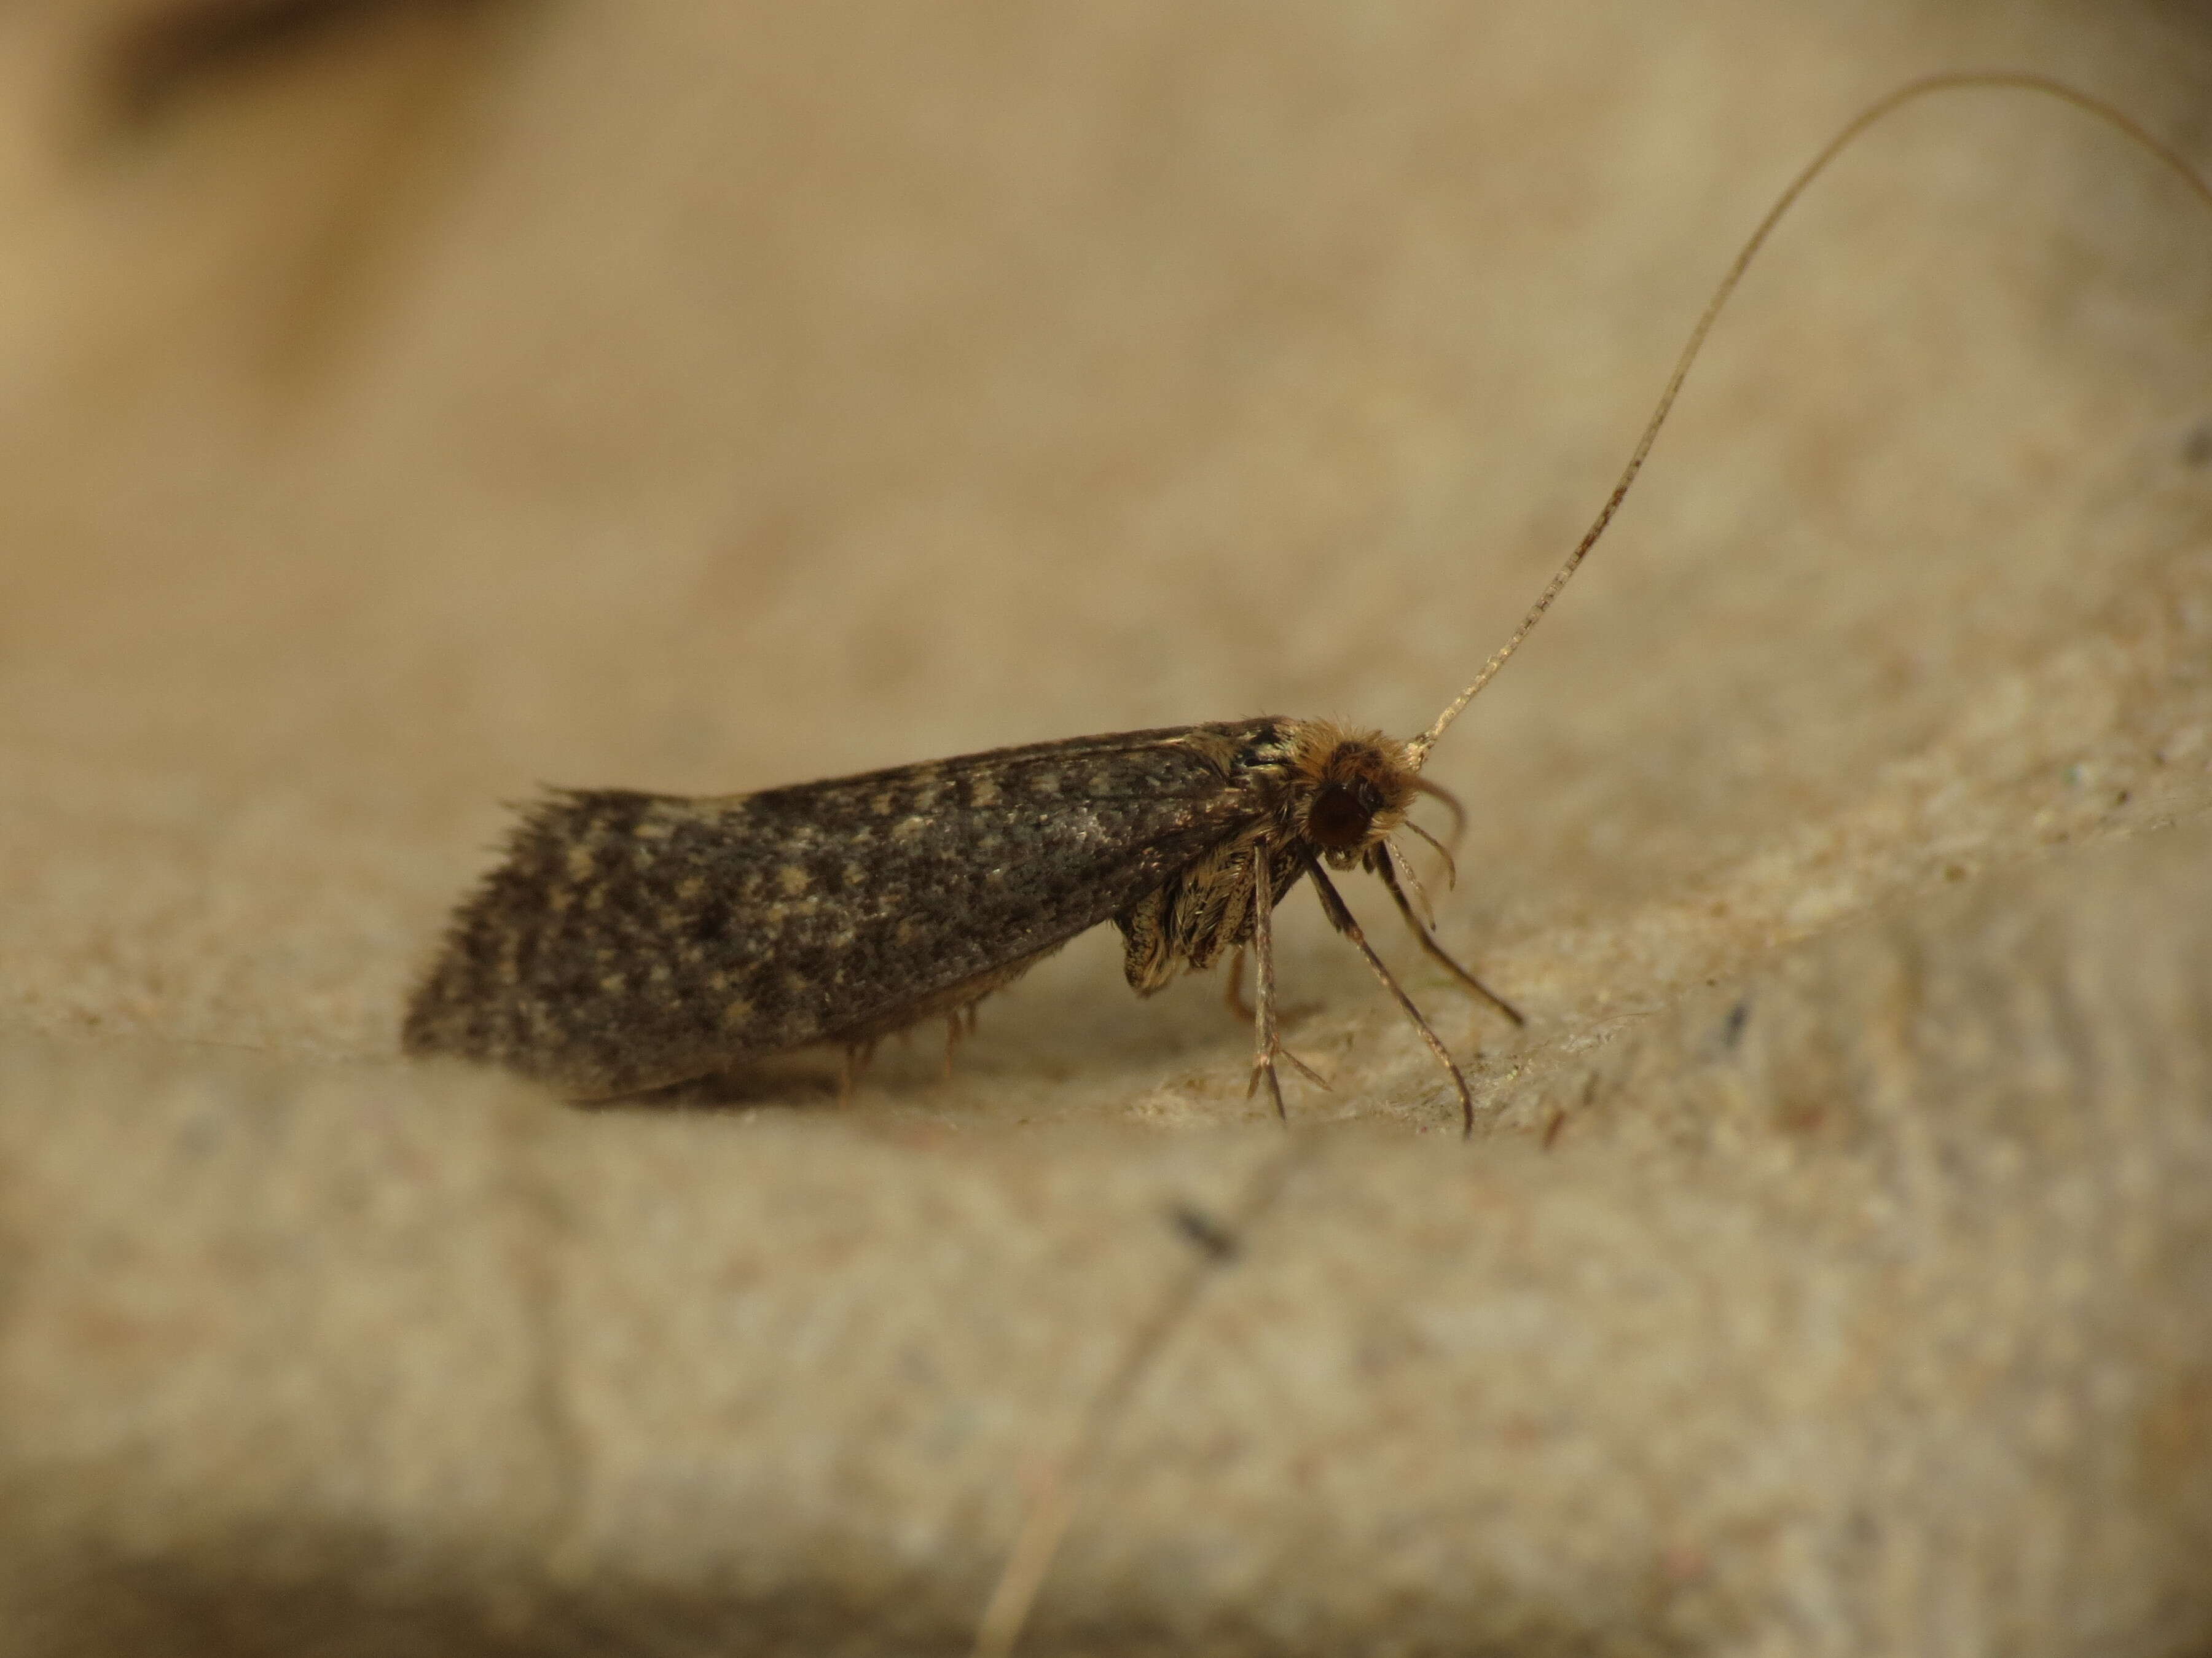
{"x":1341,"y":815}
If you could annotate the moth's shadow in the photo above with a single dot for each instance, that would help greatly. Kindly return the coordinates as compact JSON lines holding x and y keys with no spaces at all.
{"x":809,"y":1076}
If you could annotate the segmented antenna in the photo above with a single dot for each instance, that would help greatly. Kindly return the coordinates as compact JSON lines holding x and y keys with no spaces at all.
{"x":1418,"y":749}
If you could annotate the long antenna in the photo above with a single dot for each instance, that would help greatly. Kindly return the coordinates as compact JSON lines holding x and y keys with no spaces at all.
{"x":1418,"y":749}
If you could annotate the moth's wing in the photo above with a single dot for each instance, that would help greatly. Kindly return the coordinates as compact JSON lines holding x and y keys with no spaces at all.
{"x":630,"y":940}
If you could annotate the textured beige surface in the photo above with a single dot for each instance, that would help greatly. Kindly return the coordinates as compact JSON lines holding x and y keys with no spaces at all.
{"x":442,"y":400}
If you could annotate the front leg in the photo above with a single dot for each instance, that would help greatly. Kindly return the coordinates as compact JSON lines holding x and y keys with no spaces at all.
{"x":1379,"y":861}
{"x":1266,"y":1046}
{"x":1267,"y":1040}
{"x":1341,"y":917}
{"x":1233,"y":993}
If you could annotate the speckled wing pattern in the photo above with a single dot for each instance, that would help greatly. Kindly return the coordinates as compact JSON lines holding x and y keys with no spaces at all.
{"x":633,"y":940}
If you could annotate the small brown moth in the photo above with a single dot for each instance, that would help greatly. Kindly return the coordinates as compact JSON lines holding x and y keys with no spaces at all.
{"x":629,"y":942}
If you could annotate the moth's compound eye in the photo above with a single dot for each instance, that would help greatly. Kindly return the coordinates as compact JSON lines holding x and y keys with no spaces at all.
{"x":1342,"y":814}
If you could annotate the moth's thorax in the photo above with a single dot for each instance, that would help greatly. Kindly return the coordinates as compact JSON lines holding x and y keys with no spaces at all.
{"x":1348,"y":789}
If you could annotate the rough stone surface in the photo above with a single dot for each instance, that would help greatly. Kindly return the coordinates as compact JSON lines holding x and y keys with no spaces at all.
{"x":408,"y":407}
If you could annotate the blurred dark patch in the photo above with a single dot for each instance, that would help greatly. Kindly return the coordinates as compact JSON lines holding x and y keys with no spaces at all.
{"x":1208,"y":1236}
{"x":2197,"y":447}
{"x":1732,"y":1027}
{"x":326,"y":133}
{"x":160,"y":59}
{"x":310,"y":1586}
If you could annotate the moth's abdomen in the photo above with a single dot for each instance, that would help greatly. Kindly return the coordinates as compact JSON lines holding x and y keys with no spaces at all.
{"x":629,"y":940}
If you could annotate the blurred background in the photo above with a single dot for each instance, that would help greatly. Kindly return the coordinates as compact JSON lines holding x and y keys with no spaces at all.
{"x":406,"y":402}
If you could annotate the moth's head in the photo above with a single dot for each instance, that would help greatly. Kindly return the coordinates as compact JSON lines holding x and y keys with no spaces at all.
{"x":1352,"y":788}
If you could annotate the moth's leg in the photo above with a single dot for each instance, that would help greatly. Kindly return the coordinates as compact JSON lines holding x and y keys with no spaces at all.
{"x":1382,"y":867}
{"x":1451,"y":868}
{"x":959,"y":1027}
{"x":857,"y":1055}
{"x":1388,"y":853}
{"x":1268,"y":1045}
{"x":1265,"y":1046}
{"x":1235,"y":988}
{"x":1459,"y":821}
{"x":1342,"y":920}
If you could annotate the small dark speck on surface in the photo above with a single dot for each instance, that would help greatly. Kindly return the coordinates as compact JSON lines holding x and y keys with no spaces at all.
{"x":1209,"y":1235}
{"x":1732,"y":1028}
{"x":2197,"y":447}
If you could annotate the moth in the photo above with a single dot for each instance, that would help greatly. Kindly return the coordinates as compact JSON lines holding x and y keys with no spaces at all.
{"x":628,"y":942}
